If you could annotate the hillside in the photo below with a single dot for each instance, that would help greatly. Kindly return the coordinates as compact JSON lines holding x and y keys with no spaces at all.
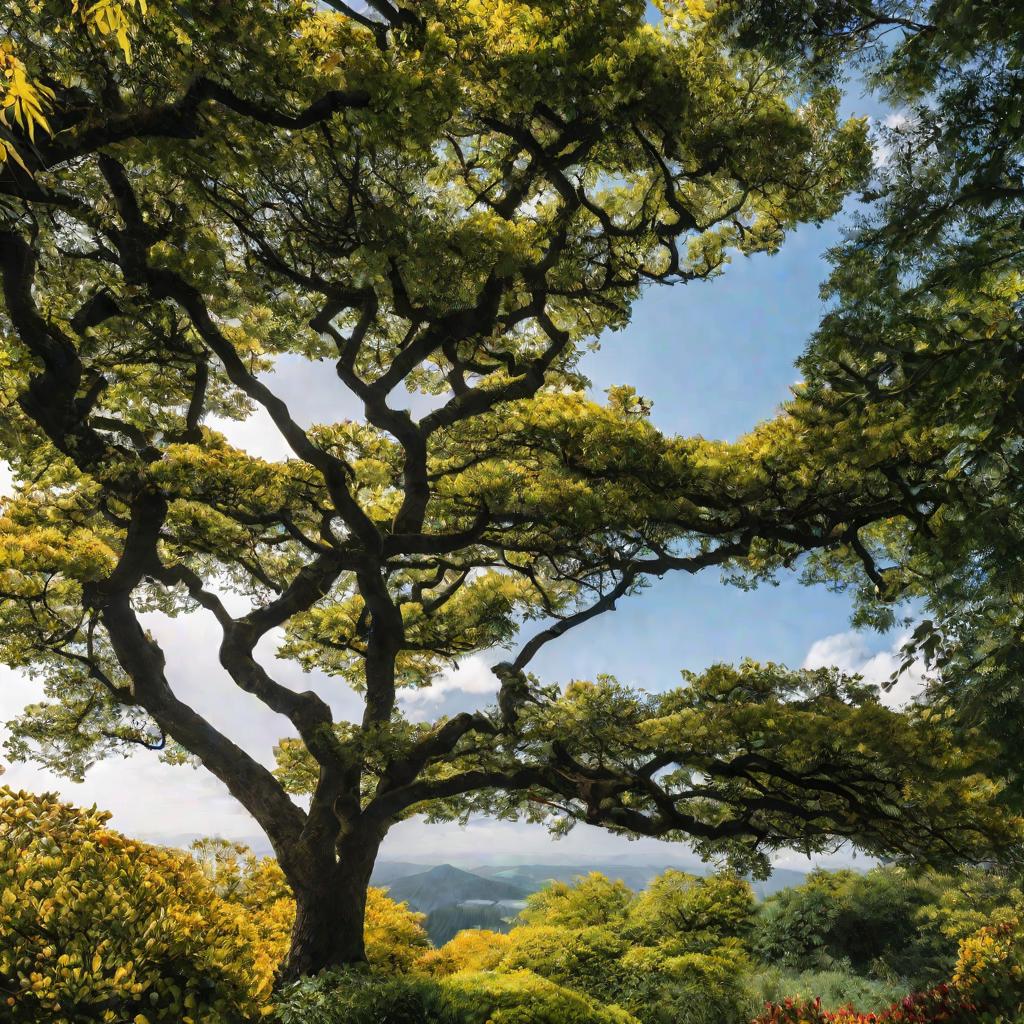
{"x":387,"y":872}
{"x":447,"y":886}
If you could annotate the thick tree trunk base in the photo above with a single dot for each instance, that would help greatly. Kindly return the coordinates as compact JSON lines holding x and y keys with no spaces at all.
{"x":330,"y":915}
{"x":328,"y":932}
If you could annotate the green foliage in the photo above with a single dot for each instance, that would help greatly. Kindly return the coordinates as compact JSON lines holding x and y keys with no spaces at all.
{"x":887,"y":924}
{"x":987,"y":987}
{"x":835,"y":987}
{"x":924,"y":328}
{"x":668,"y":954}
{"x":588,"y":958}
{"x":593,"y":899}
{"x":522,"y":997}
{"x":665,"y":986}
{"x":100,"y":928}
{"x":357,"y":997}
{"x":677,"y":908}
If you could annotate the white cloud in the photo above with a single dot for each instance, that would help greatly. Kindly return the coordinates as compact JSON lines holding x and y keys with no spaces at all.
{"x":484,"y":840}
{"x":471,"y":675}
{"x":149,"y":799}
{"x":881,"y":146}
{"x":850,"y":653}
{"x":471,"y":678}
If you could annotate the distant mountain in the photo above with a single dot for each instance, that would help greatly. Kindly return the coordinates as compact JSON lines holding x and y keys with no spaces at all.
{"x":386,"y":872}
{"x":532,"y":877}
{"x":490,"y":896}
{"x":447,"y":886}
{"x":637,"y":876}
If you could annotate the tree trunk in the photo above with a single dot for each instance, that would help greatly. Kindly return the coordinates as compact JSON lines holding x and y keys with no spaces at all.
{"x":330,"y":910}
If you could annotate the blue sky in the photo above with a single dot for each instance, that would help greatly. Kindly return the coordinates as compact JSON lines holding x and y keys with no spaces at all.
{"x":715,"y":358}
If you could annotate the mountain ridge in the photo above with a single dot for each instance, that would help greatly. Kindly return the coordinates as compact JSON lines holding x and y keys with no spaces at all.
{"x":446,"y":885}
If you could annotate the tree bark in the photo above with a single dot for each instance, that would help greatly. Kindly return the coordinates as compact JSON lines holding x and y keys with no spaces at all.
{"x":330,"y":912}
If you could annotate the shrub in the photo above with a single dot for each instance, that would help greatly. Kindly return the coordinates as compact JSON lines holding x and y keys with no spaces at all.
{"x":394,"y":934}
{"x":592,"y":900}
{"x":470,"y":950}
{"x":987,"y":988}
{"x":835,"y":988}
{"x":522,"y":997}
{"x":357,"y":996}
{"x":665,"y":986}
{"x":889,"y":923}
{"x":665,"y":956}
{"x":96,"y":927}
{"x":474,"y":997}
{"x":696,"y":912}
{"x":586,"y":959}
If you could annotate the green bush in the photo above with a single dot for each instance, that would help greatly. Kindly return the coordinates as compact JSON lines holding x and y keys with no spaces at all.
{"x":522,"y":997}
{"x":586,"y":959}
{"x":686,"y":988}
{"x":355,"y":996}
{"x":836,"y":988}
{"x":888,"y":924}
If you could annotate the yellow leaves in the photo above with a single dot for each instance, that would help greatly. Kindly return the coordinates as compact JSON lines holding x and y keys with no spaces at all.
{"x":26,"y":102}
{"x":470,"y":950}
{"x":77,"y":553}
{"x":21,"y":99}
{"x":109,"y":18}
{"x":394,"y":934}
{"x":92,"y":918}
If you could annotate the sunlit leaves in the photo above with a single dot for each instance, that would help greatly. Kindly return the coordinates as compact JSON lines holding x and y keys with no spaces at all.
{"x":91,"y":918}
{"x":649,"y":953}
{"x":23,"y":103}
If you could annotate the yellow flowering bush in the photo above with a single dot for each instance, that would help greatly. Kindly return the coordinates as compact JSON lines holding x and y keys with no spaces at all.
{"x":522,"y":997}
{"x":990,"y":966}
{"x":97,"y":927}
{"x":473,"y":949}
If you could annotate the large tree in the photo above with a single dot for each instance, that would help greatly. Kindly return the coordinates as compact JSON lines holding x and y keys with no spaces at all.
{"x":453,"y":199}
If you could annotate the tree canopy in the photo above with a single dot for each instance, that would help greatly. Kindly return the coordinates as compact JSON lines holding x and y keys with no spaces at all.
{"x":925,"y":329}
{"x":456,"y":201}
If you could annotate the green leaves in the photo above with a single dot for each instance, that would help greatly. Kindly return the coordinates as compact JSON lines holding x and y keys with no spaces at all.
{"x":91,"y":918}
{"x":456,"y":201}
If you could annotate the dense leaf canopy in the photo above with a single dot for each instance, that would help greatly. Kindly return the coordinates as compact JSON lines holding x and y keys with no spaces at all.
{"x":926,"y":326}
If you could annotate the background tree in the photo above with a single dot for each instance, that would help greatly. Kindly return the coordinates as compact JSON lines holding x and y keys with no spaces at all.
{"x":926,"y":326}
{"x":670,"y":953}
{"x":454,"y":200}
